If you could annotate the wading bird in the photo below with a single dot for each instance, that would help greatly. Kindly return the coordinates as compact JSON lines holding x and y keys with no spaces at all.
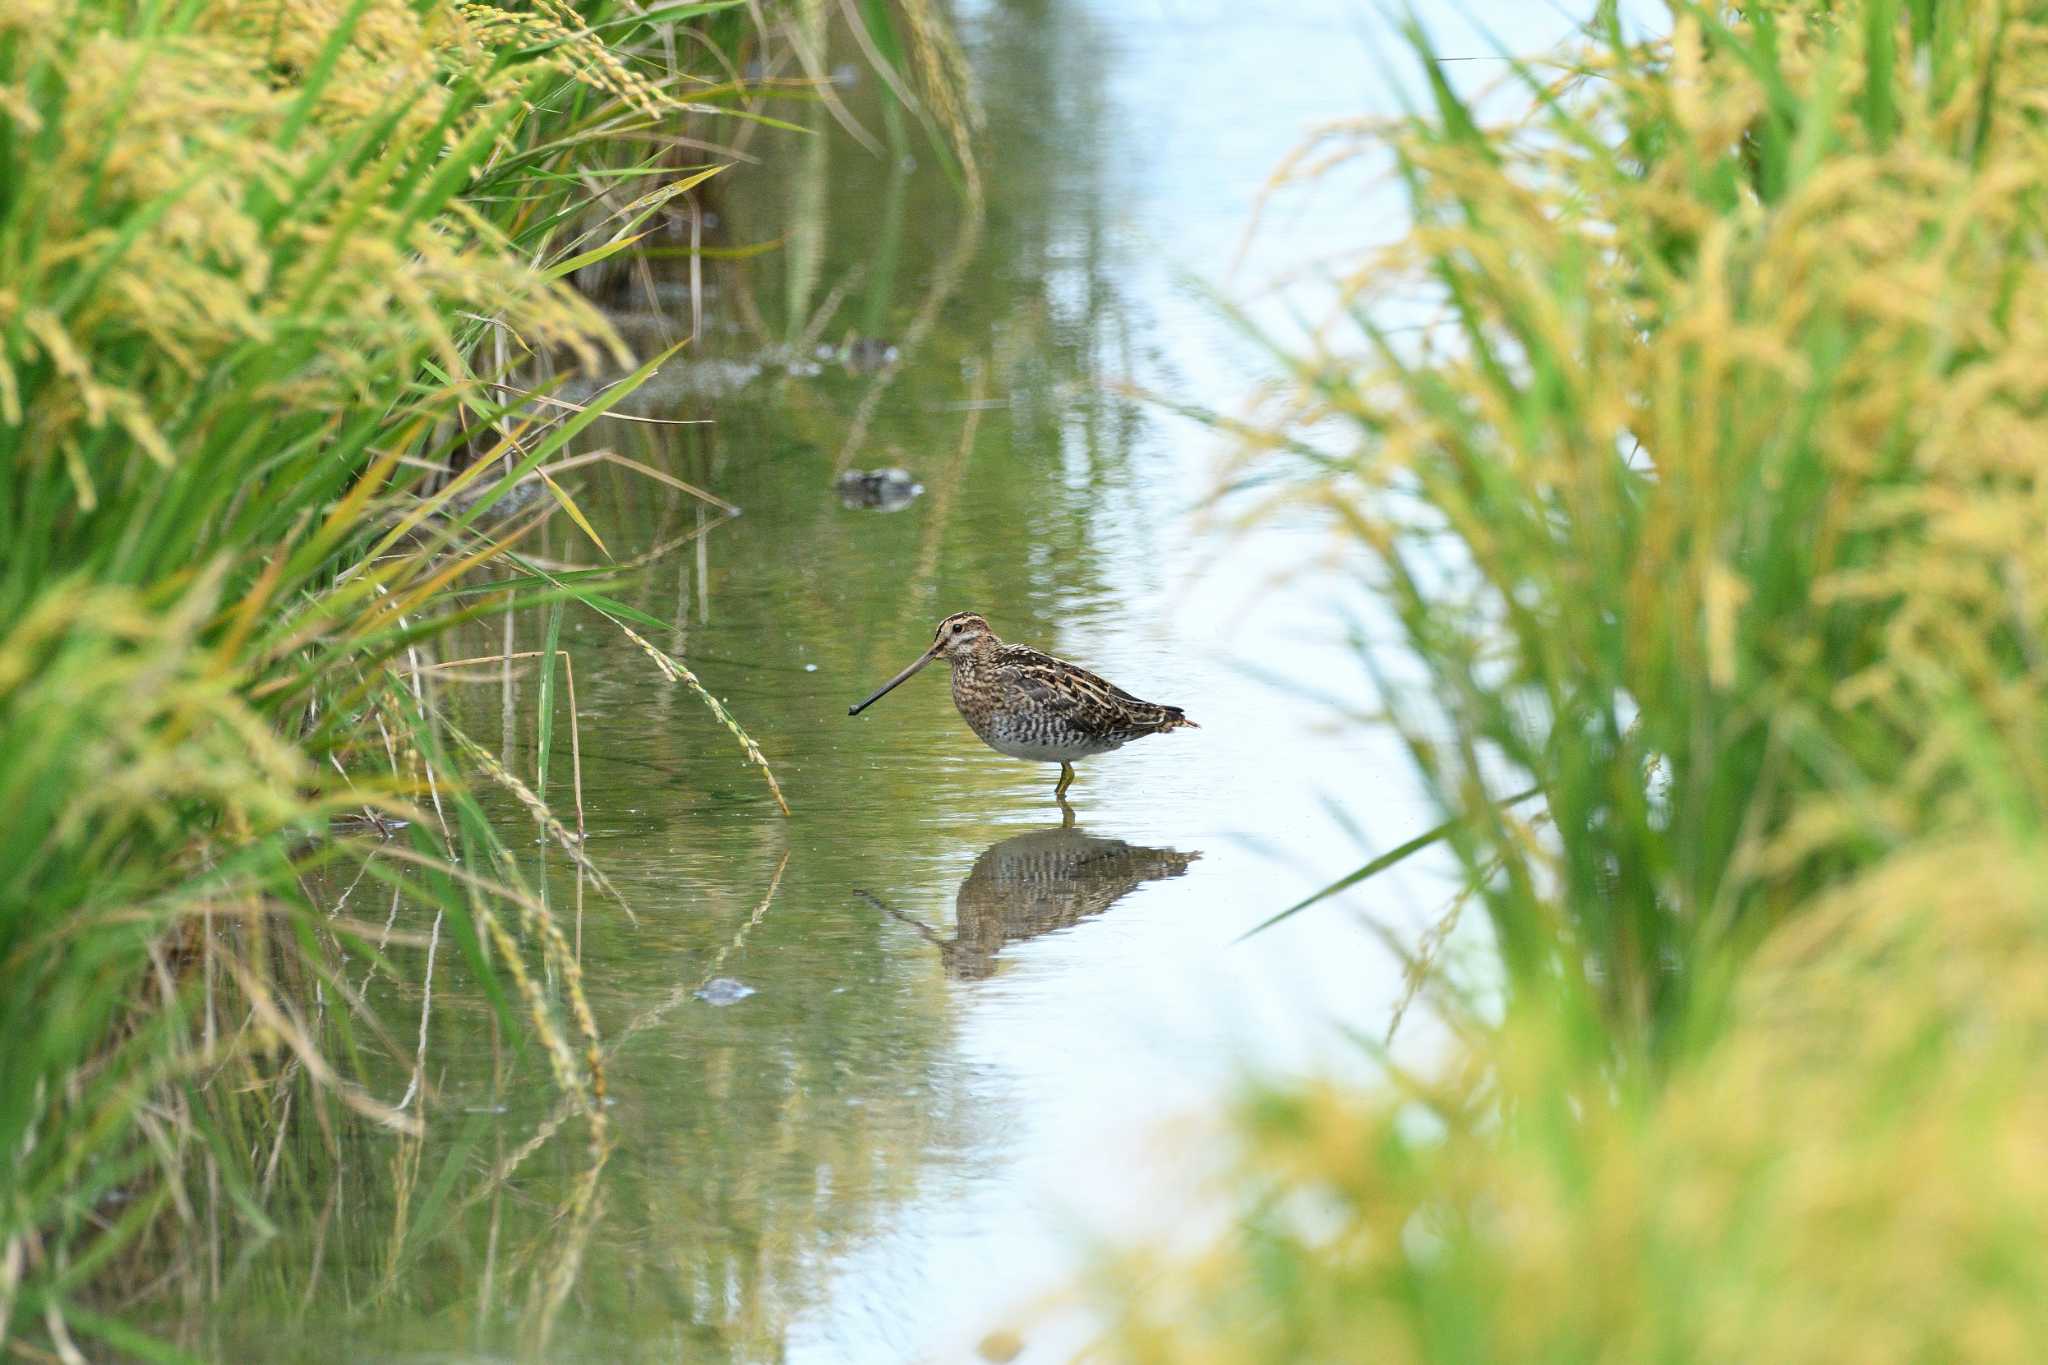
{"x":1031,"y":705}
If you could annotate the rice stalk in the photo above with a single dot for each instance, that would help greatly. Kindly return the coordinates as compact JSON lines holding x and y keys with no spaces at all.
{"x":1709,"y":504}
{"x":252,"y":254}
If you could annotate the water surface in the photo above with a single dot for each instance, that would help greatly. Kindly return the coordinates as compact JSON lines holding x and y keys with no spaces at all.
{"x":885,"y":1070}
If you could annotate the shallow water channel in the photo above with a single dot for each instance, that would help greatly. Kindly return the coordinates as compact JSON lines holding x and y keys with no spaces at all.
{"x":886,"y":1072}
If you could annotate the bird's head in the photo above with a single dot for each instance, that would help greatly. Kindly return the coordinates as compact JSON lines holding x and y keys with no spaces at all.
{"x":959,"y":634}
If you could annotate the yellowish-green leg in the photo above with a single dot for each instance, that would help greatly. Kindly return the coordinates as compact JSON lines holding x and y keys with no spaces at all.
{"x":1059,"y":793}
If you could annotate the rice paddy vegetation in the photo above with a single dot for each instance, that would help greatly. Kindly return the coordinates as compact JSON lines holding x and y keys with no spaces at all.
{"x":286,"y":292}
{"x":1711,"y":511}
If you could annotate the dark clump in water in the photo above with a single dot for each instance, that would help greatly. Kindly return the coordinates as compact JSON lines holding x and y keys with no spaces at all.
{"x":527,"y":493}
{"x":884,"y":490}
{"x":862,"y":355}
{"x":867,"y":355}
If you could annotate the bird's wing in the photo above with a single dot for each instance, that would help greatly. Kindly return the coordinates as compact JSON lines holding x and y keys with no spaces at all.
{"x":1059,"y":688}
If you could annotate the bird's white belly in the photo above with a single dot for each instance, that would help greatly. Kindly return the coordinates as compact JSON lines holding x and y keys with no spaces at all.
{"x":1039,"y":749}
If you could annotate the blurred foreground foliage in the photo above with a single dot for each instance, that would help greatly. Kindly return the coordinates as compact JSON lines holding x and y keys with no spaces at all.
{"x":1710,"y":505}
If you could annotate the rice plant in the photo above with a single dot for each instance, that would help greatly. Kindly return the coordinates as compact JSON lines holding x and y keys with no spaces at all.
{"x":1708,"y":510}
{"x":287,"y":289}
{"x":1704,"y":503}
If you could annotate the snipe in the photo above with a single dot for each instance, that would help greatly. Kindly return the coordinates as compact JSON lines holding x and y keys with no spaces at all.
{"x":1030,"y":705}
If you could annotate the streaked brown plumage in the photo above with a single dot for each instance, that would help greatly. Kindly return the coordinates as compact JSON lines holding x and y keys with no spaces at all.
{"x":1027,"y":704}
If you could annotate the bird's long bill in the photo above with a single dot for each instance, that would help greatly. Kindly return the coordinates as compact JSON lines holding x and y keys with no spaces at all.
{"x":891,"y":685}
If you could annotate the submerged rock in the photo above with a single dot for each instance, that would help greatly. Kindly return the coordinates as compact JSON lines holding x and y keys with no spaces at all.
{"x":885,"y":490}
{"x":723,"y":990}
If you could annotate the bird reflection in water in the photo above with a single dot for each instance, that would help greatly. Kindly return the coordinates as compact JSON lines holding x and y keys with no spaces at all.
{"x":1031,"y":884}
